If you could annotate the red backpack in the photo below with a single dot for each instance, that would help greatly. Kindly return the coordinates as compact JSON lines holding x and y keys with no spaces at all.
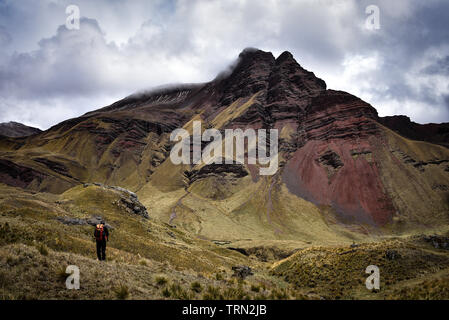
{"x":99,"y":232}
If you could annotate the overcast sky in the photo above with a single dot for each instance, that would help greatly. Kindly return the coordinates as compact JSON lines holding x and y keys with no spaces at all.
{"x":49,"y":73}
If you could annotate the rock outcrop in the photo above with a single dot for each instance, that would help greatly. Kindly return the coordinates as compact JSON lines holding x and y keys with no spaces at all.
{"x":128,"y":200}
{"x":93,"y":221}
{"x":242,"y":272}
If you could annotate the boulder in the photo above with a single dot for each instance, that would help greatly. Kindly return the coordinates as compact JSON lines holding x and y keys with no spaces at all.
{"x":242,"y":271}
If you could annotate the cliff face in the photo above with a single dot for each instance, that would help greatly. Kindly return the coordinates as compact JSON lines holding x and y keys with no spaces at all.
{"x":335,"y":152}
{"x":335,"y":165}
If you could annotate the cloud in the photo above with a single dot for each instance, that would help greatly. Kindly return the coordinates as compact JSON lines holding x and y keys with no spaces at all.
{"x":5,"y":38}
{"x":440,"y":66}
{"x":126,"y":47}
{"x":410,"y":48}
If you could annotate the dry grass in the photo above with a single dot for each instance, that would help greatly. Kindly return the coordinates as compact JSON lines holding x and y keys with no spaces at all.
{"x":161,"y":281}
{"x":121,"y":292}
{"x":35,"y":250}
{"x":339,"y":273}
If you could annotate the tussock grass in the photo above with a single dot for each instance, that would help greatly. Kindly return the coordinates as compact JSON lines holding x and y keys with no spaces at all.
{"x":161,"y":281}
{"x":339,"y":273}
{"x":35,"y":250}
{"x":166,"y":293}
{"x":61,"y":275}
{"x":196,"y":287}
{"x":178,"y":292}
{"x":43,"y":249}
{"x":212,"y":293}
{"x":121,"y":292}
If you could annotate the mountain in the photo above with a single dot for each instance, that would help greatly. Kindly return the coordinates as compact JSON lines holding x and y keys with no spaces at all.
{"x":335,"y":152}
{"x":15,"y":129}
{"x":345,"y":174}
{"x":431,"y":132}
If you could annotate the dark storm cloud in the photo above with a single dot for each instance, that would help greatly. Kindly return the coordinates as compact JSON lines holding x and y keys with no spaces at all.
{"x":49,"y":73}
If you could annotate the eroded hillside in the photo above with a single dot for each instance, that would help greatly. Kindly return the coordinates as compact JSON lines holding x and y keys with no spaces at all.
{"x":345,"y":175}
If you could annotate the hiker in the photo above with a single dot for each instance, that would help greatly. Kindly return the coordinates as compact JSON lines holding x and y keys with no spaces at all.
{"x":101,"y":234}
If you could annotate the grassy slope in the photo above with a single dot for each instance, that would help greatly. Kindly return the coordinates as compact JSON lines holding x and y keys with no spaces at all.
{"x":147,"y":259}
{"x":339,"y":272}
{"x":85,"y":157}
{"x":418,"y":193}
{"x":260,"y":217}
{"x":234,"y":216}
{"x":35,"y":249}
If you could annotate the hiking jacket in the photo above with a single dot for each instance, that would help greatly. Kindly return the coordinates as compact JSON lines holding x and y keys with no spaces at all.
{"x":106,"y":233}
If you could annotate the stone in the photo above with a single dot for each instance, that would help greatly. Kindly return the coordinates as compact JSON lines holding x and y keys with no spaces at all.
{"x":72,"y":221}
{"x":242,"y":271}
{"x":93,"y":221}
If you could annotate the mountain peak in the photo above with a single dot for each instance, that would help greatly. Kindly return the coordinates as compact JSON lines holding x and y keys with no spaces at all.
{"x":286,"y":55}
{"x":16,"y":129}
{"x":254,"y":53}
{"x":255,"y":59}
